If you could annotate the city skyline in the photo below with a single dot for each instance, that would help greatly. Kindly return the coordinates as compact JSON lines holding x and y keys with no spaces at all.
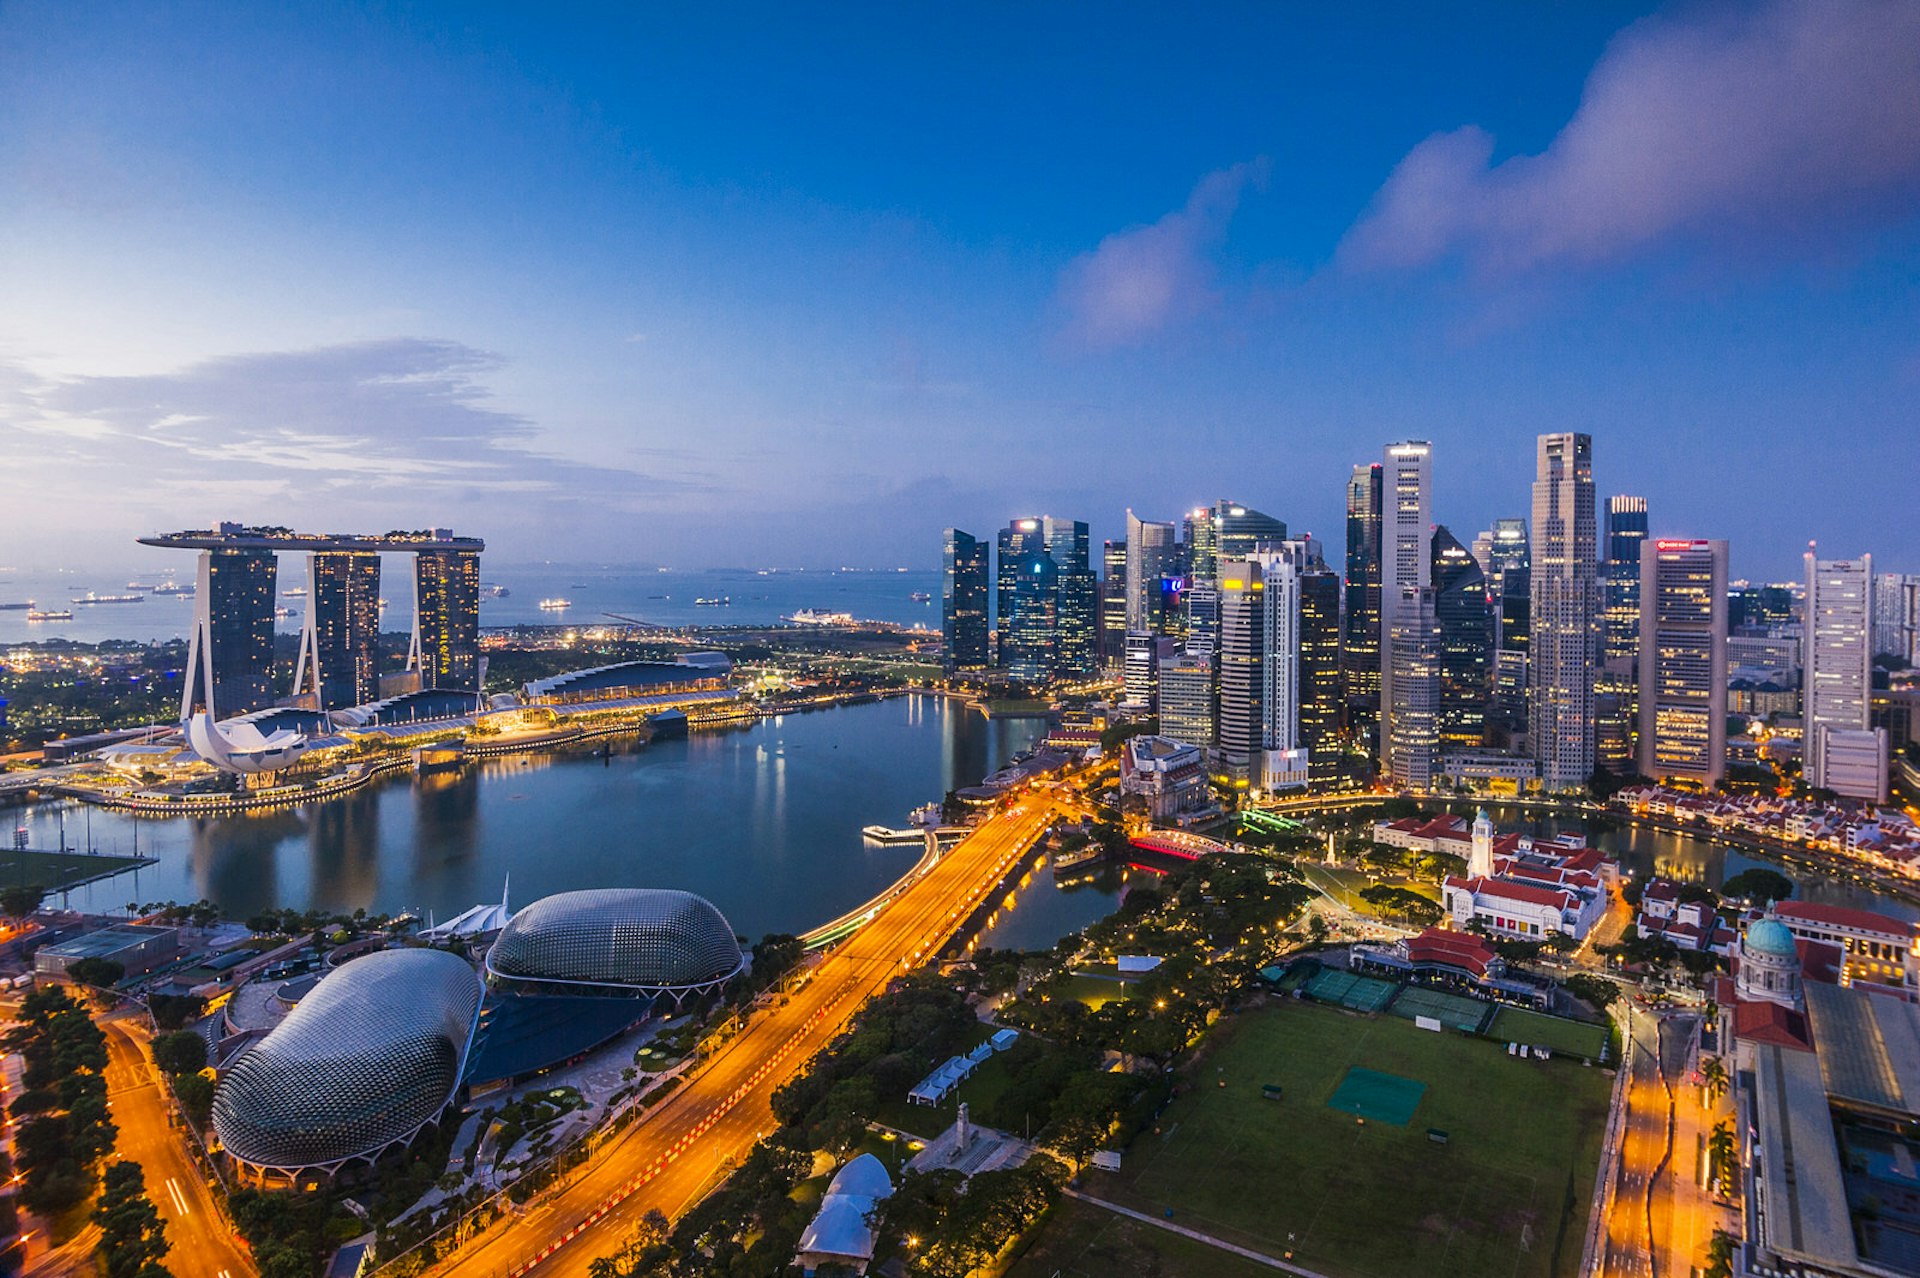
{"x":318,"y":268}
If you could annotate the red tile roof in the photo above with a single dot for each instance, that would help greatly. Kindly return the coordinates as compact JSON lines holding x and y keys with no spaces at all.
{"x":1764,"y":1022}
{"x":1842,"y":916}
{"x":1460,"y":949}
{"x":1505,"y":890}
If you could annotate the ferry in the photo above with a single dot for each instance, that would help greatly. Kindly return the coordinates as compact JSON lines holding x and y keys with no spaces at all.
{"x":555,"y":605}
{"x":51,"y":614}
{"x":91,"y":598}
{"x":812,"y":617}
{"x":719,"y":601}
{"x":921,"y":596}
{"x":490,"y":591}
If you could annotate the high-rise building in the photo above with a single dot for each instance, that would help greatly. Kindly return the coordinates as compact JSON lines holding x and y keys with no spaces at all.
{"x":1410,"y":733}
{"x":230,"y":654}
{"x":1322,"y":689}
{"x":1464,"y":613}
{"x":1140,"y":676}
{"x":1203,"y":617}
{"x":1563,"y":637}
{"x":963,"y":603}
{"x":1620,"y":613}
{"x":1241,"y":715}
{"x":1152,"y":555}
{"x":1260,"y":706}
{"x":1187,"y":699}
{"x":1896,"y":617}
{"x":1032,"y":646}
{"x":1066,"y":541}
{"x":1113,"y":604}
{"x":1683,"y":660}
{"x":1406,"y":563}
{"x":446,"y":619}
{"x":339,"y":662}
{"x":1017,"y":540}
{"x":1837,"y":673}
{"x":1201,"y":535}
{"x":1240,"y":531}
{"x":1362,"y":646}
{"x":1058,"y":632}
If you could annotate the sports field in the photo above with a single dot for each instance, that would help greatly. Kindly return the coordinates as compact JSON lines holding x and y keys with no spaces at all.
{"x":1570,"y":1038}
{"x":1506,"y":1196}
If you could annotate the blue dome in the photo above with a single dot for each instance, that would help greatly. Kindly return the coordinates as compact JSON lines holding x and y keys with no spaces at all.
{"x":1770,"y":937}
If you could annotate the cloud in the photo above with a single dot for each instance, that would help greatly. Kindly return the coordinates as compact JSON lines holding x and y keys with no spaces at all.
{"x":1141,"y":280}
{"x":326,"y":435}
{"x":1782,"y":120}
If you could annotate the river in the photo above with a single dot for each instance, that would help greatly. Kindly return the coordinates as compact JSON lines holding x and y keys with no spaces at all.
{"x":763,"y":820}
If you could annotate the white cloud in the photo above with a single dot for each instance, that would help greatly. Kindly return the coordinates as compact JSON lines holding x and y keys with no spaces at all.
{"x":1781,"y":120}
{"x":1141,"y":280}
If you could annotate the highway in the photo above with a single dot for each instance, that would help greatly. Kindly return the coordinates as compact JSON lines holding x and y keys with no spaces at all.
{"x":200,"y":1246}
{"x":1644,"y":1198}
{"x":678,"y":1153}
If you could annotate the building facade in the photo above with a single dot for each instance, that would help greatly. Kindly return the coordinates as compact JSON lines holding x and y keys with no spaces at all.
{"x":1620,"y":587}
{"x":1186,"y":690}
{"x":1410,"y":733}
{"x":1406,"y":565}
{"x":1463,"y":609}
{"x":446,"y":634}
{"x":1152,"y":555}
{"x":1361,"y":657}
{"x":964,"y":603}
{"x":1683,"y":661}
{"x":339,"y":662}
{"x":1562,"y":638}
{"x":1837,"y":679}
{"x":230,"y":653}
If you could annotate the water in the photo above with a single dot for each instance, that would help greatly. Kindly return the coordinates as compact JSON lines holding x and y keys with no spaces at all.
{"x":1643,"y":852}
{"x":764,"y":821}
{"x":663,"y":598}
{"x":1043,"y":909}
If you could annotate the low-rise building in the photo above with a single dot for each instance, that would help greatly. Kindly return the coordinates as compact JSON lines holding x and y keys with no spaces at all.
{"x":1170,"y":775}
{"x":136,"y":947}
{"x":1880,"y":950}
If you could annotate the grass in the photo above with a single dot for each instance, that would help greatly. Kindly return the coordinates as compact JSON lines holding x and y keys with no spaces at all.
{"x":988,"y":1079}
{"x":1018,"y":707}
{"x":53,"y":870}
{"x":1571,"y":1038}
{"x":1083,"y":1241}
{"x":1508,"y":1195}
{"x":1095,"y":991}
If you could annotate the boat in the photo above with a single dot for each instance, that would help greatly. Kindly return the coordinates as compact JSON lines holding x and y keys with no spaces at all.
{"x":138,"y":585}
{"x":719,"y":601}
{"x":881,"y":834}
{"x":51,"y":614}
{"x":383,"y":605}
{"x":921,"y":596}
{"x":813,"y":617}
{"x":91,"y":598}
{"x":555,"y":605}
{"x":283,"y":614}
{"x":17,"y":607}
{"x":172,"y":587}
{"x":490,"y":591}
{"x":298,"y":592}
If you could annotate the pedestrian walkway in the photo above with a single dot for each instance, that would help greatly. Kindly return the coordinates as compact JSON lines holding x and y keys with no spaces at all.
{"x":1158,"y":1222}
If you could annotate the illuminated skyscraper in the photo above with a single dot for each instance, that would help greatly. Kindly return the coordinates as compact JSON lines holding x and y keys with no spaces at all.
{"x":446,"y":625}
{"x":1151,"y":556}
{"x":963,"y":602}
{"x":1113,"y":604}
{"x":1406,"y":564}
{"x":1563,"y":638}
{"x":1843,"y":751}
{"x":1362,"y":646}
{"x":1620,"y":617}
{"x":1509,"y":566}
{"x":230,"y":654}
{"x":1066,"y":541}
{"x":1031,"y":649}
{"x":1240,"y":531}
{"x":1067,"y":648}
{"x":1017,"y":540}
{"x":1322,"y":688}
{"x":339,"y":662}
{"x":1683,"y":660}
{"x":1410,"y":736}
{"x":1186,"y":696}
{"x":1203,"y":544}
{"x":1465,"y":616}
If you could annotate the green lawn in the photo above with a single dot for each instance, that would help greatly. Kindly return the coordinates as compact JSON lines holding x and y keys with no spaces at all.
{"x":1083,"y":1241}
{"x":1507,"y":1196}
{"x":1095,"y":991}
{"x":988,"y":1080}
{"x":1517,"y":1025}
{"x":53,"y":870}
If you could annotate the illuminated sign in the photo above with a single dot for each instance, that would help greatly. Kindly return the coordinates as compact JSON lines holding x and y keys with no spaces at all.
{"x":1679,"y":545}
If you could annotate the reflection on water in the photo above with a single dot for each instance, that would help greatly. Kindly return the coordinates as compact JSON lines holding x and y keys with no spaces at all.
{"x":1643,"y":851}
{"x":763,"y":819}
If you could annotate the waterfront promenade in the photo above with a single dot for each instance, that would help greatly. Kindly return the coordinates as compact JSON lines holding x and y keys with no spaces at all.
{"x":677,"y":1153}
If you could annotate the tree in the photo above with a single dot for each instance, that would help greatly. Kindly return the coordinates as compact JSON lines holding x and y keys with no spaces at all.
{"x":1597,"y":990}
{"x":1720,"y":1150}
{"x":100,"y":973}
{"x":181,"y":1052}
{"x":1713,"y":1072}
{"x":20,"y":900}
{"x":133,"y":1239}
{"x":195,"y":1093}
{"x":1758,"y":884}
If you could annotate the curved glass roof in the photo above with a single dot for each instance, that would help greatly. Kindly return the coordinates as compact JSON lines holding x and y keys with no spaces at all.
{"x":636,"y":938}
{"x":374,"y":1053}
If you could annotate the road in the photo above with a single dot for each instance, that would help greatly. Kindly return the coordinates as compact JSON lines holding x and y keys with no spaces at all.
{"x":200,"y":1246}
{"x":673,"y":1158}
{"x":1644,"y":1203}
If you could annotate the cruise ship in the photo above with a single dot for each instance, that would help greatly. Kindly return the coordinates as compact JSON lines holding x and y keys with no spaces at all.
{"x":555,"y":605}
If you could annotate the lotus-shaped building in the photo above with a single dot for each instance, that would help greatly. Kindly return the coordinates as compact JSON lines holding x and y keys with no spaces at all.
{"x":637,"y":941}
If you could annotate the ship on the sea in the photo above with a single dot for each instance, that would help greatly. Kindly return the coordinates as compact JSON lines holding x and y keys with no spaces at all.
{"x":172,"y":587}
{"x":139,"y":585}
{"x":51,"y":614}
{"x":27,"y":606}
{"x":295,"y":592}
{"x":91,"y":598}
{"x":718,"y":601}
{"x":811,"y":617}
{"x":921,"y":596}
{"x":555,"y":605}
{"x":490,"y":591}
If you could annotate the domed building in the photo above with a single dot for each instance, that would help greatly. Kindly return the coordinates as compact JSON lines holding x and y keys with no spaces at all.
{"x":641,"y":942}
{"x":1769,"y":964}
{"x":373,"y":1055}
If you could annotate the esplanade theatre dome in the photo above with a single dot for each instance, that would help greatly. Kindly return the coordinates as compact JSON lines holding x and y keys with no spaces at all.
{"x":637,"y":940}
{"x":366,"y":1060}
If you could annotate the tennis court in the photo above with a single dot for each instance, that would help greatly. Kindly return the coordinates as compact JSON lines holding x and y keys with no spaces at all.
{"x":1455,"y":1012}
{"x":1359,"y":993}
{"x":1385,"y":1098}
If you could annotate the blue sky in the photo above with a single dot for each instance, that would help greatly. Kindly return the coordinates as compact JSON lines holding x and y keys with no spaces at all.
{"x":764,"y":287}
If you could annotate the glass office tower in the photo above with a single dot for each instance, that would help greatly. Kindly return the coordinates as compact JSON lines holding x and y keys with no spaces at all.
{"x":230,"y":654}
{"x":446,"y":635}
{"x":340,"y":646}
{"x":963,"y":602}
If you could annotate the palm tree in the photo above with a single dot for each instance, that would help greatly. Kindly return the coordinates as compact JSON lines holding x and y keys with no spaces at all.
{"x":1713,"y":1072}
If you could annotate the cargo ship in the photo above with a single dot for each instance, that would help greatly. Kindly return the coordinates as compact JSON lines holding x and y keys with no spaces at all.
{"x":51,"y":614}
{"x":810,"y":617}
{"x":91,"y":598}
{"x":490,"y":591}
{"x":555,"y":605}
{"x":172,"y":587}
{"x":28,"y":606}
{"x":719,"y":601}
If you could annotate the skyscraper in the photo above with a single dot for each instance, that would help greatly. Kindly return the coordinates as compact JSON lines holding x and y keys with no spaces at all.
{"x":446,"y":619}
{"x":1017,"y":540}
{"x":1260,"y":705}
{"x":963,"y":602}
{"x":1066,"y":541}
{"x":1840,"y":748}
{"x":1896,"y":617}
{"x":1151,"y":556}
{"x":1322,"y":689}
{"x":1057,"y":633}
{"x":1241,"y":716}
{"x":339,"y":662}
{"x":1406,"y":564}
{"x":1240,"y":531}
{"x":1113,"y":604}
{"x":1362,"y":655}
{"x":1683,"y":660}
{"x":1510,"y":561}
{"x":1563,"y":638}
{"x":1410,"y":735}
{"x":230,"y":653}
{"x":1203,"y":546}
{"x":1620,"y":616}
{"x":1186,"y":698}
{"x":1031,"y":650}
{"x":1464,"y":614}
{"x":1203,"y":617}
